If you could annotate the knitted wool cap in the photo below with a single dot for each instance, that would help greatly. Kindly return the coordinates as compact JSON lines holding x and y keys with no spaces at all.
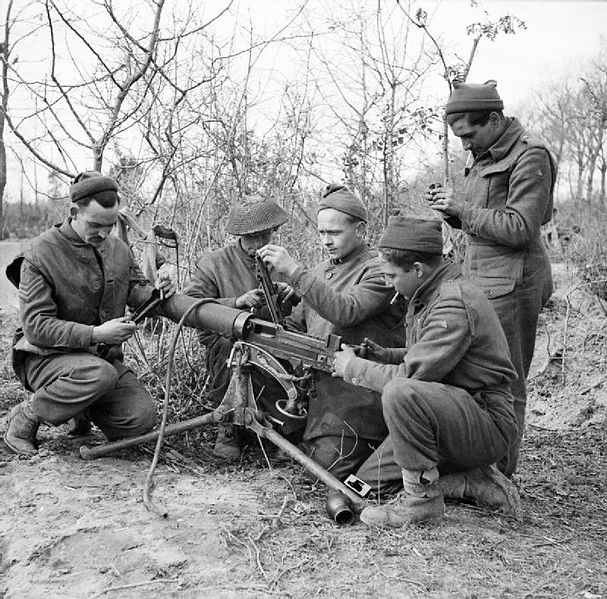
{"x":413,"y":234}
{"x":341,"y":198}
{"x":253,"y":215}
{"x":474,"y":97}
{"x":89,"y":183}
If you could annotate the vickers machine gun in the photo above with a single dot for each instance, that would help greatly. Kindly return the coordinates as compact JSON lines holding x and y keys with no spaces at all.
{"x":287,"y":356}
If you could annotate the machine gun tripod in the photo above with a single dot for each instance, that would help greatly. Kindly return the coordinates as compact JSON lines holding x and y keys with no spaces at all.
{"x":239,"y":406}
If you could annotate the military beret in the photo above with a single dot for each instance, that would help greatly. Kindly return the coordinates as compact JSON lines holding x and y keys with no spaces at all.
{"x":341,"y":198}
{"x":89,"y":183}
{"x":474,"y":97}
{"x":413,"y":234}
{"x":255,"y":214}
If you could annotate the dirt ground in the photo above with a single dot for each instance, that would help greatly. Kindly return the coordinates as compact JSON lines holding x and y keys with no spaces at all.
{"x":72,"y":529}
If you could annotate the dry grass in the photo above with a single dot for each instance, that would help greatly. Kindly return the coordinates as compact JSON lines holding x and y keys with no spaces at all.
{"x":291,"y":549}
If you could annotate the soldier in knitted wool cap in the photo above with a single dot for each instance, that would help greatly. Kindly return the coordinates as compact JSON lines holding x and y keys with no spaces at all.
{"x":345,"y":295}
{"x":507,"y":197}
{"x":228,"y":275}
{"x":75,"y":281}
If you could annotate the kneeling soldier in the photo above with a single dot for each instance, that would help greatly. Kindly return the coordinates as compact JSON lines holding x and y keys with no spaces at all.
{"x":446,"y":396}
{"x":75,"y":281}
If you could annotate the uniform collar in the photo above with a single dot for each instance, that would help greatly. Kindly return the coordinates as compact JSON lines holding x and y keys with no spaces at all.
{"x":508,"y":138}
{"x":65,"y":228}
{"x":357,"y":251}
{"x":431,"y":287}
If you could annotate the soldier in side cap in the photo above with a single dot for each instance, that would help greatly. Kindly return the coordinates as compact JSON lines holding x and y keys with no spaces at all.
{"x":507,"y":197}
{"x":345,"y":295}
{"x":446,"y":396}
{"x":228,"y":275}
{"x":75,"y":281}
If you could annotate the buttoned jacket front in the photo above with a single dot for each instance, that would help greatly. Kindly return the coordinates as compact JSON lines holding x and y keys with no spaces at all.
{"x":347,"y":298}
{"x":508,"y":196}
{"x":68,"y":287}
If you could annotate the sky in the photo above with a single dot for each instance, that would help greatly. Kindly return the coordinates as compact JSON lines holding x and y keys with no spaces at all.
{"x":558,"y":38}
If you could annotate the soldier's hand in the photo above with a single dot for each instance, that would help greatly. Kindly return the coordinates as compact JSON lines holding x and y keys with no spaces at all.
{"x":278,"y":259}
{"x":374,"y":351}
{"x":286,"y":293}
{"x":165,"y":283}
{"x":443,"y":201}
{"x":341,"y":358}
{"x":251,"y":299}
{"x":114,"y":331}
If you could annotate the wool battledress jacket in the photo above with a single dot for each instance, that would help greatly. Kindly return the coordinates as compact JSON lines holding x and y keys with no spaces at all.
{"x":224,"y":274}
{"x":508,"y":195}
{"x":348,"y":298}
{"x":67,"y":288}
{"x":453,"y":337}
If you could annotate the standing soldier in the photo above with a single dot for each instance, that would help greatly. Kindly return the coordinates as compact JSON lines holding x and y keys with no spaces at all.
{"x":345,"y":295}
{"x":228,"y":275}
{"x":507,"y":197}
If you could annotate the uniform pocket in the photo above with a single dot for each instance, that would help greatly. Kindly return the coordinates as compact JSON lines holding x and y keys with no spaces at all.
{"x":497,"y":263}
{"x":494,"y":287}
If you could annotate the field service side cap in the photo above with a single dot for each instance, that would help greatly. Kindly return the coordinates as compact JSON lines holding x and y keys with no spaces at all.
{"x":339,"y":197}
{"x":413,"y":234}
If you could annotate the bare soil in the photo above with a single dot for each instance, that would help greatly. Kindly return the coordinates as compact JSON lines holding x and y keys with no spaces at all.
{"x":72,"y":529}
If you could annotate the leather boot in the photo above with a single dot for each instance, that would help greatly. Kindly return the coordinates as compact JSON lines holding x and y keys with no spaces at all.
{"x":78,"y":426}
{"x":419,"y":502}
{"x":486,"y":485}
{"x":227,"y":445}
{"x":22,"y":426}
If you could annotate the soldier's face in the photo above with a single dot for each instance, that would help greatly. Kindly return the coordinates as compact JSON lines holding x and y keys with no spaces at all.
{"x":406,"y":282}
{"x":338,"y":234}
{"x":476,"y":138}
{"x":93,"y":223}
{"x":251,"y":243}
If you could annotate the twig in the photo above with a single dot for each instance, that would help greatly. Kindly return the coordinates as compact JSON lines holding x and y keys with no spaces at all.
{"x":258,"y":559}
{"x":593,"y":386}
{"x":281,"y":511}
{"x":565,"y":331}
{"x":557,"y":355}
{"x":420,"y":585}
{"x":132,"y":586}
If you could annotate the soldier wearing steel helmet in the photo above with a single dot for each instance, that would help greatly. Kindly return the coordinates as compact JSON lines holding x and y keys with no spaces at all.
{"x":228,"y":275}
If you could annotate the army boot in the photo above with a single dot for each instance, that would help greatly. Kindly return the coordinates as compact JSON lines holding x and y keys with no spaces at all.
{"x":227,"y":445}
{"x":419,"y":502}
{"x":486,"y":485}
{"x":21,"y":429}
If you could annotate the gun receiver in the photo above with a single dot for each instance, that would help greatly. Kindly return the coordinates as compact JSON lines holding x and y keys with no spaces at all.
{"x":269,"y":290}
{"x":299,"y":349}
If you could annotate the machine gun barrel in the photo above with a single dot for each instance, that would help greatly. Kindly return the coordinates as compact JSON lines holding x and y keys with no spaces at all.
{"x":298,"y":348}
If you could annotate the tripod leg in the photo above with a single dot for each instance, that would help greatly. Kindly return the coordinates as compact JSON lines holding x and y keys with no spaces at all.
{"x":91,"y":453}
{"x":310,"y":465}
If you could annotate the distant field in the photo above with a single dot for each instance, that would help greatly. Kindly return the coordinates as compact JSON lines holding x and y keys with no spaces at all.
{"x":8,"y":294}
